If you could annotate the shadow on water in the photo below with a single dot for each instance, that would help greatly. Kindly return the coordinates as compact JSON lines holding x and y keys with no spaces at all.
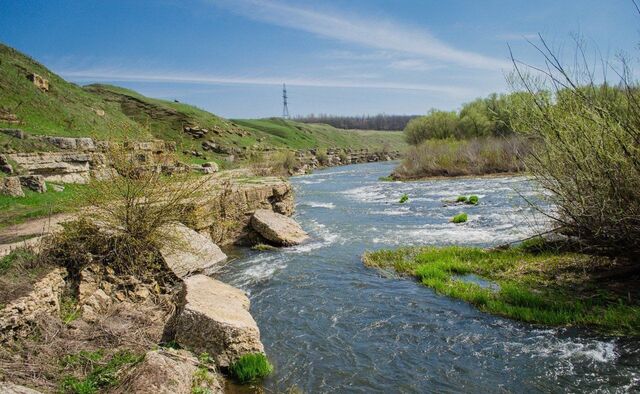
{"x":329,"y":324}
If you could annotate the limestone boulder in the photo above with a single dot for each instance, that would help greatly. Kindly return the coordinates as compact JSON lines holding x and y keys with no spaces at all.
{"x":278,"y":228}
{"x":10,"y":186}
{"x":165,"y":371}
{"x":187,"y":252}
{"x":216,"y":319}
{"x":34,"y":182}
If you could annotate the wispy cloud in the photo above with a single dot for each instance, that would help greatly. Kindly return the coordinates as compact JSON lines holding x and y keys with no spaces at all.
{"x":369,"y":32}
{"x":119,"y":75}
{"x":517,"y":36}
{"x":413,"y":65}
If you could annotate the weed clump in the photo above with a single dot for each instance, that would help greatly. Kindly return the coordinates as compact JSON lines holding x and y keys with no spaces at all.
{"x":251,"y":367}
{"x":404,"y":198}
{"x":473,"y":200}
{"x":461,"y":199}
{"x":460,"y":218}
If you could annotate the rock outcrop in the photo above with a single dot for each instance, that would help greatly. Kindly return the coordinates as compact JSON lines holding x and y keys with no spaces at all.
{"x":187,"y":252}
{"x":278,"y":228}
{"x":33,"y":182}
{"x":17,"y":318}
{"x":10,"y":186}
{"x":166,"y":371}
{"x":215,"y":319}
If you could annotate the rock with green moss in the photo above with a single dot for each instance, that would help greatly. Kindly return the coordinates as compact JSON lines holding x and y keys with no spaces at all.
{"x":460,"y":218}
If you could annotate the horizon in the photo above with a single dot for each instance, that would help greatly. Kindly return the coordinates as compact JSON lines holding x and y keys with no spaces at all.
{"x":341,"y":58}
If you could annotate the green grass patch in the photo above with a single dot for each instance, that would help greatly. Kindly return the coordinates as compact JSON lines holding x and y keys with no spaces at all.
{"x":14,"y":210}
{"x":251,"y":367}
{"x":404,"y":198}
{"x":263,"y":247}
{"x":473,"y":200}
{"x":530,"y":287}
{"x":460,"y":218}
{"x":100,"y":373}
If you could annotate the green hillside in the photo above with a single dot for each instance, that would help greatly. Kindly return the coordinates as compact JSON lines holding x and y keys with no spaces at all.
{"x":108,"y":112}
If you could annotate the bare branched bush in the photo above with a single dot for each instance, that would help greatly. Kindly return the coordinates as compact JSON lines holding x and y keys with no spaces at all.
{"x":588,"y":157}
{"x":126,"y":216}
{"x":451,"y":157}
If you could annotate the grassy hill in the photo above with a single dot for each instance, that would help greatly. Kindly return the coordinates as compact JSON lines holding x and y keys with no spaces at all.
{"x":108,"y":112}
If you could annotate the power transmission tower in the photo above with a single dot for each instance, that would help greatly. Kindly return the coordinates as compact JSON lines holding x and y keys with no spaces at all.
{"x":285,"y":107}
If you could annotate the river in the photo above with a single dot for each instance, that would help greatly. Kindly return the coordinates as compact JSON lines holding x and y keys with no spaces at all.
{"x":329,"y":324}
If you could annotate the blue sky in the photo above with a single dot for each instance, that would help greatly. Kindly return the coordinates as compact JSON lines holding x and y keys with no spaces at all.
{"x":341,"y":57}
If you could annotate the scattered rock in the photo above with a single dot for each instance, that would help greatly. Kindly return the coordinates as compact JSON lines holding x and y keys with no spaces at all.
{"x":40,"y":82}
{"x":5,"y":166}
{"x":216,"y":319}
{"x":15,"y":133}
{"x":33,"y":182}
{"x":57,"y":188}
{"x":212,"y":164}
{"x":17,"y":318}
{"x":10,"y":186}
{"x":278,"y":228}
{"x":187,"y":252}
{"x":99,"y":112}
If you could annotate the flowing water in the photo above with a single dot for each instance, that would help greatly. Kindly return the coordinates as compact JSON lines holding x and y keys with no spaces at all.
{"x":329,"y":324}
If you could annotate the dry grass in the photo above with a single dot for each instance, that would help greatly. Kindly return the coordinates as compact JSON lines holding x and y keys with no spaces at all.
{"x":449,"y":157}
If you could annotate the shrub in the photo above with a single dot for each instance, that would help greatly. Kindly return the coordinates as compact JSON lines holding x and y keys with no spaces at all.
{"x":588,"y":151}
{"x":459,"y":218}
{"x":472,"y":200}
{"x":123,"y":224}
{"x":404,"y":198}
{"x":251,"y":367}
{"x":322,"y":157}
{"x":281,"y":163}
{"x":461,"y":199}
{"x":451,"y":157}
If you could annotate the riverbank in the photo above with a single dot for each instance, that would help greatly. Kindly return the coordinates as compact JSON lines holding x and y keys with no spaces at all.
{"x":528,"y":282}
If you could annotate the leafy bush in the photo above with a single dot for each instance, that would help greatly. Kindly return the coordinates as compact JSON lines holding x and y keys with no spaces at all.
{"x":588,"y":151}
{"x":322,"y":157}
{"x":472,"y":200}
{"x":251,"y":367}
{"x":404,"y":198}
{"x":459,"y":218}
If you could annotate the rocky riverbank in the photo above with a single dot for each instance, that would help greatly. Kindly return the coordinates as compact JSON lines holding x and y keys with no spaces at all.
{"x":178,"y":306}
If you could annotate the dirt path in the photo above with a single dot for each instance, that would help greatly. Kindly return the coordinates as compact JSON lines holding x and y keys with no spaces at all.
{"x":28,"y":233}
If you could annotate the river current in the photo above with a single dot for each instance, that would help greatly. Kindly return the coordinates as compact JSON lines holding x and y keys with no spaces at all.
{"x":329,"y":324}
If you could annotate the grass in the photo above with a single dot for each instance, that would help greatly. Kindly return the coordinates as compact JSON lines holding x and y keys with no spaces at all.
{"x":451,"y":157}
{"x":461,"y":199}
{"x":14,"y":210}
{"x":251,"y":367}
{"x":404,"y":199}
{"x":100,"y":374}
{"x":19,"y":270}
{"x":546,"y":287}
{"x":473,"y":200}
{"x":460,"y":218}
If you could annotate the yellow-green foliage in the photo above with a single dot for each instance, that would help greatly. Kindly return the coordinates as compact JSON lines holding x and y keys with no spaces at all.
{"x":460,"y":218}
{"x":451,"y":157}
{"x":588,"y":152}
{"x":530,"y":288}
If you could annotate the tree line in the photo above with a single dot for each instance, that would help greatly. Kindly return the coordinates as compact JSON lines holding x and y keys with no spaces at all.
{"x":382,"y":122}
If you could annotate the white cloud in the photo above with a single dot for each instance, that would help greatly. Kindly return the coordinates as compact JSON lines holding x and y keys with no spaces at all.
{"x":517,"y":36}
{"x":369,"y":32}
{"x":413,"y":65}
{"x":120,"y":75}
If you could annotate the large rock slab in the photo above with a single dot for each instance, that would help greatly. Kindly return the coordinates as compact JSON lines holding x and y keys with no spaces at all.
{"x":187,"y":252}
{"x":278,"y":228}
{"x":216,"y":319}
{"x":165,"y":372}
{"x":10,"y":186}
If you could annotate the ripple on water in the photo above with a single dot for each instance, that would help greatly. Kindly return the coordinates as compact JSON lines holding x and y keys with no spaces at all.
{"x":329,"y":324}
